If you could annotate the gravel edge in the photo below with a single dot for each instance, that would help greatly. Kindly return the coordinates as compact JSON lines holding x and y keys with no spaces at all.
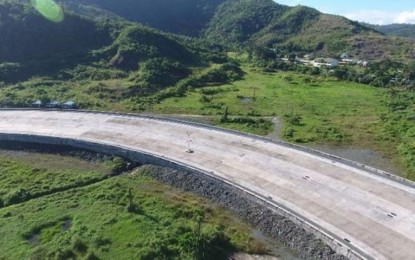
{"x":248,"y":208}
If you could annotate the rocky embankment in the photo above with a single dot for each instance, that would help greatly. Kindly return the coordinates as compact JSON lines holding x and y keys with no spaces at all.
{"x":248,"y":208}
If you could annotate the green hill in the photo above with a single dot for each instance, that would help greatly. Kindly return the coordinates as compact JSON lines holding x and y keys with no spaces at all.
{"x":267,"y":24}
{"x":264,"y":23}
{"x":36,"y":45}
{"x":99,"y":60}
{"x":80,"y":48}
{"x":236,"y":21}
{"x":400,"y":30}
{"x":187,"y":17}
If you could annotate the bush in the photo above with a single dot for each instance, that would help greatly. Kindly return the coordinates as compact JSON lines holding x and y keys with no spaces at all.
{"x":205,"y":99}
{"x":118,"y":165}
{"x":79,"y":246}
{"x":158,"y":73}
{"x":222,"y":74}
{"x":16,"y":196}
{"x":293,"y":119}
{"x":91,"y":256}
{"x":289,"y":133}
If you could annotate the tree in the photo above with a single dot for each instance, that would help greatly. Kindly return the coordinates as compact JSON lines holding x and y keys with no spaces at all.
{"x":341,"y":72}
{"x":292,"y":57}
{"x":224,"y":118}
{"x":410,"y":70}
{"x":132,"y":207}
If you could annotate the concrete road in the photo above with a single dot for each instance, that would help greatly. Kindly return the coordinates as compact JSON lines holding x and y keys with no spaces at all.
{"x":375,"y":214}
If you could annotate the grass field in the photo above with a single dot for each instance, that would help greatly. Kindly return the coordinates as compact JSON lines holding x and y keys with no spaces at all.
{"x":315,"y":109}
{"x":26,"y":175}
{"x":126,"y":217}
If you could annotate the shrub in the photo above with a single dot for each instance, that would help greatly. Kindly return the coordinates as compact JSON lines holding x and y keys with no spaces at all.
{"x":16,"y":196}
{"x":91,"y":256}
{"x":79,"y":246}
{"x":205,"y":99}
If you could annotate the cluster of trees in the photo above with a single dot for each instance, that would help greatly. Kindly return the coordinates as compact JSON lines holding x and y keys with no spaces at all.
{"x":216,"y":75}
{"x":381,"y":73}
{"x":236,"y":21}
{"x":157,"y":74}
{"x":385,"y":73}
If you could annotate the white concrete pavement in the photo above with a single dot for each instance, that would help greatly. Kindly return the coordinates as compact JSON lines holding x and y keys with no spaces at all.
{"x":377,"y":215}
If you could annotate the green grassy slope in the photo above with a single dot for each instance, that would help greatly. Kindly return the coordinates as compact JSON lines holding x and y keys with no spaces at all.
{"x":400,"y":30}
{"x":93,"y":222}
{"x":347,"y":107}
{"x":27,"y":175}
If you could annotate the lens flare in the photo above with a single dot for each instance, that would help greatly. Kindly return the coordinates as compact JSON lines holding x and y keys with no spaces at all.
{"x":49,"y":9}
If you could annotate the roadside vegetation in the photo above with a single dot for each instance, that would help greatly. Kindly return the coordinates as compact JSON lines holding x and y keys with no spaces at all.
{"x":314,"y":109}
{"x":320,"y":110}
{"x":24,"y":176}
{"x":398,"y":122}
{"x":127,"y":217}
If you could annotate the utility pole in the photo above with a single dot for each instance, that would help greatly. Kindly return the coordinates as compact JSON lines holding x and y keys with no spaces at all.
{"x":189,"y":140}
{"x":254,"y":89}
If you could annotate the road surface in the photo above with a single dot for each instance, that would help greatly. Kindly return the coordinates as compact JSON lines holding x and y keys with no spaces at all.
{"x":373,"y":214}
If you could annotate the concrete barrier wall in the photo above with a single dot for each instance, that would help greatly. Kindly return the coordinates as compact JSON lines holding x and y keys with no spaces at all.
{"x":336,"y":243}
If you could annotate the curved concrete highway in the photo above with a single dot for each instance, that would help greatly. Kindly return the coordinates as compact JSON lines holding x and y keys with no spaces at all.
{"x":374,"y":215}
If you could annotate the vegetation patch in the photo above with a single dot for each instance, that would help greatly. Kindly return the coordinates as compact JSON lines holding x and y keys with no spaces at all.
{"x":130,"y":216}
{"x":33,"y":176}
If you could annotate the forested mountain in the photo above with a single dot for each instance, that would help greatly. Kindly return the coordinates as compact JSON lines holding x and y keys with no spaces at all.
{"x":264,"y":23}
{"x":268,"y":24}
{"x":236,"y":21}
{"x":26,"y":36}
{"x":135,"y":59}
{"x":186,"y":17}
{"x":401,"y":30}
{"x":31,"y":45}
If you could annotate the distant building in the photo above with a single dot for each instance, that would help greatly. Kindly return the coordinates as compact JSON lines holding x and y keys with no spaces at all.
{"x":325,"y":62}
{"x":309,"y":56}
{"x":53,"y":104}
{"x":37,"y":104}
{"x":393,"y":80}
{"x":344,"y":56}
{"x":331,"y":62}
{"x":304,"y":61}
{"x":350,"y":61}
{"x":69,"y":105}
